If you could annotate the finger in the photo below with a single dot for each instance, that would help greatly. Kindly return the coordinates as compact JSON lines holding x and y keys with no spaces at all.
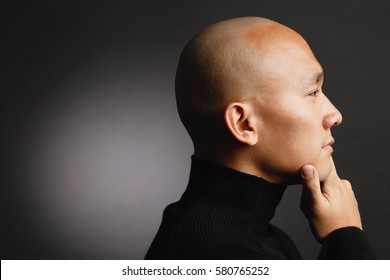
{"x":310,"y":181}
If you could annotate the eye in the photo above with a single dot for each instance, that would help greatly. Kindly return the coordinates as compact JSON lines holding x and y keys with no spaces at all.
{"x":314,"y":93}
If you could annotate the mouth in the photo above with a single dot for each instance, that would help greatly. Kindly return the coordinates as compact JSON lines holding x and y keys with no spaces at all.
{"x":328,"y":145}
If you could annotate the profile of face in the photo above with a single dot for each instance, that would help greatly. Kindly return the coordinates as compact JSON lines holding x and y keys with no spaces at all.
{"x":294,"y":117}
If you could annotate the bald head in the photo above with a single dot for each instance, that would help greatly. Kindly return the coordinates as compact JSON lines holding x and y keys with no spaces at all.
{"x":226,"y":62}
{"x":249,"y":92}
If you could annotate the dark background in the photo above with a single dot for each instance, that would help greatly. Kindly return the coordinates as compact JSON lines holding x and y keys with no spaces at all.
{"x":92,"y":148}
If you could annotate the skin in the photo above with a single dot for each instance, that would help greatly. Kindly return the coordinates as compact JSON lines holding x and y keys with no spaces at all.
{"x":249,"y":92}
{"x":294,"y":117}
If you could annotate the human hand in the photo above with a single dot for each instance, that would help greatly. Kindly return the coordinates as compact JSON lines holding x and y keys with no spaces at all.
{"x":328,"y":205}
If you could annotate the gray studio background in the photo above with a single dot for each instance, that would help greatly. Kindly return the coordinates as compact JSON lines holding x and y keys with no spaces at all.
{"x":92,"y":148}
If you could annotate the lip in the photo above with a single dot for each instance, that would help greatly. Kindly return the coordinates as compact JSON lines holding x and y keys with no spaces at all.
{"x":328,"y":145}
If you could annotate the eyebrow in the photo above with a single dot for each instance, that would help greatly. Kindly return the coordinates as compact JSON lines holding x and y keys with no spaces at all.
{"x":314,"y":79}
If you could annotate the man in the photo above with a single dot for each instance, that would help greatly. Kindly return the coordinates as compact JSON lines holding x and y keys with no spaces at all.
{"x":249,"y":92}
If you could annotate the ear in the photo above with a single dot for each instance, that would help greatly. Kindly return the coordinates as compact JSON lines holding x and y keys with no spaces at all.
{"x":241,"y":121}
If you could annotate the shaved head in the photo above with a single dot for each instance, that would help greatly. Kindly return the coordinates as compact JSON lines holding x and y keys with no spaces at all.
{"x":225,"y":62}
{"x":214,"y":64}
{"x":245,"y":91}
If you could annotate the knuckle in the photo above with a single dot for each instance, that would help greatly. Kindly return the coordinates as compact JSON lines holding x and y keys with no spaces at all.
{"x":346,"y":184}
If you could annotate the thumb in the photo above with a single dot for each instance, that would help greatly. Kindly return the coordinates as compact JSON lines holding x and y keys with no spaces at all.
{"x":310,"y":181}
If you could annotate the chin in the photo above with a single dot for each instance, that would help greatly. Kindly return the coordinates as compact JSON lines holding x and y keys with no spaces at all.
{"x":323,"y":170}
{"x":292,"y":177}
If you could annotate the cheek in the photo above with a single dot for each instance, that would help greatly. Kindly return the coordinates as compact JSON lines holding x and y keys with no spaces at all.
{"x":291,"y":133}
{"x":298,"y":147}
{"x":292,"y":142}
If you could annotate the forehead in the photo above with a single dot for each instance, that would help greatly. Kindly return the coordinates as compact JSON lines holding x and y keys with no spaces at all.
{"x":282,"y":55}
{"x":291,"y":66}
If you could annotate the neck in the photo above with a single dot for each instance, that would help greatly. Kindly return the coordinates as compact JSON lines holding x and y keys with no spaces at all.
{"x":239,"y":159}
{"x":249,"y":199}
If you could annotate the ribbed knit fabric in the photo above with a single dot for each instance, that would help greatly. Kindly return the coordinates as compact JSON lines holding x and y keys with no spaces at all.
{"x":225,"y":214}
{"x":347,"y":243}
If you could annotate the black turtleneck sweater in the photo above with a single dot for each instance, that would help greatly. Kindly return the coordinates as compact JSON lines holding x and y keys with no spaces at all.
{"x":226,"y":214}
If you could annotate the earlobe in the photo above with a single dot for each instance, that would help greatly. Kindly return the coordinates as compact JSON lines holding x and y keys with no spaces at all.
{"x":240,"y":121}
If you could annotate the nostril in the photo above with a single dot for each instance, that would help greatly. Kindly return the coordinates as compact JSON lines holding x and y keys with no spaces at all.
{"x":339,"y":119}
{"x":332,"y":119}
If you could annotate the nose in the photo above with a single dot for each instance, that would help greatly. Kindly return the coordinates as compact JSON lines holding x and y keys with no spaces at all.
{"x":332,"y":116}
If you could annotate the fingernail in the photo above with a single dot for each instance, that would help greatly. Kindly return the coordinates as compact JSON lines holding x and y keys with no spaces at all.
{"x":307,"y":171}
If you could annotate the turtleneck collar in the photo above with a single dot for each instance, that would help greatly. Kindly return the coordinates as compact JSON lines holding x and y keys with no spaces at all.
{"x":244,"y":198}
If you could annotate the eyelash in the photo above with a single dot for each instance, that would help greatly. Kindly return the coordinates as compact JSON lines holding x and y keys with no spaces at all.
{"x":314,"y":93}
